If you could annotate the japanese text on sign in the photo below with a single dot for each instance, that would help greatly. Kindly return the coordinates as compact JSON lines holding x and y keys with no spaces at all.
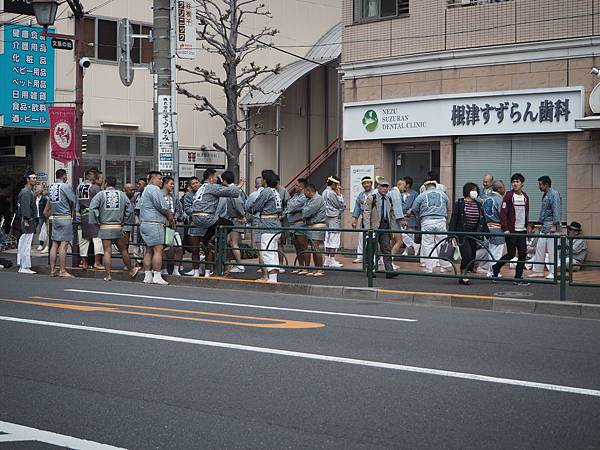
{"x":546,"y":111}
{"x":165,"y":134}
{"x":186,"y":30}
{"x":28,"y":61}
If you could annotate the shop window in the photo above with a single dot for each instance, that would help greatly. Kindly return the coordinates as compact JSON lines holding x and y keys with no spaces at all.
{"x":118,"y":145}
{"x":100,"y":37}
{"x":379,"y":9}
{"x":144,"y":146}
{"x":93,"y":144}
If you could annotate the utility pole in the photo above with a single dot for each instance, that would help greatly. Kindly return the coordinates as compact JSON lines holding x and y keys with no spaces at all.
{"x":162,"y":71}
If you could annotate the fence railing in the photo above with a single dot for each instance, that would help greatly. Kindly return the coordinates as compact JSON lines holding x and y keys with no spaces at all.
{"x":562,"y":266}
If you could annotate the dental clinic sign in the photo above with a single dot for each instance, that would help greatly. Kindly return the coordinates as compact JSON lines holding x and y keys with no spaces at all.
{"x":503,"y":112}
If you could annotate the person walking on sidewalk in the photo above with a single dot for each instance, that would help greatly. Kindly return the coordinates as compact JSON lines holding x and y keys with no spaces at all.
{"x":379,"y":215}
{"x":26,"y":208}
{"x":154,"y":215}
{"x":269,"y":207}
{"x":86,"y":191}
{"x":357,"y":214}
{"x":492,"y":206}
{"x":334,"y":207}
{"x":514,"y":219}
{"x":315,"y":218}
{"x":467,"y":216}
{"x":431,"y":206}
{"x":550,"y":217}
{"x":293,"y":212}
{"x":109,"y":210}
{"x":62,"y":203}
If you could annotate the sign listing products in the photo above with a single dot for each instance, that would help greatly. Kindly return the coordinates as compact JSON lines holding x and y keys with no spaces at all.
{"x":28,"y":85}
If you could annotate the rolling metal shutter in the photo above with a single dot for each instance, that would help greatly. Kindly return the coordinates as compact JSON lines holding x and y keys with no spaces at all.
{"x":501,"y":156}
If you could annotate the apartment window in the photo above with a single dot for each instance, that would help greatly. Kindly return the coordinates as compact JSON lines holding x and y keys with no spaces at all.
{"x":379,"y":9}
{"x":101,"y":41}
{"x":457,"y":3}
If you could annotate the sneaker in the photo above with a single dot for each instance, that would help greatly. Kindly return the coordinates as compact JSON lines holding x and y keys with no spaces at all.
{"x":191,"y":273}
{"x":208,"y":274}
{"x":21,"y":270}
{"x":521,"y":283}
{"x":444,"y":270}
{"x":536,"y":275}
{"x":159,"y":280}
{"x":550,"y":276}
{"x":40,"y":248}
{"x":395,"y":267}
{"x":357,"y":261}
{"x":164,"y":272}
{"x":237,"y":269}
{"x":44,"y":251}
{"x":416,"y":248}
{"x":148,"y":277}
{"x":491,"y":274}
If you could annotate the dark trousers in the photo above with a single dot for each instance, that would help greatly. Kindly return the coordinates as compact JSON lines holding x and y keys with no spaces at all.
{"x":516,"y":245}
{"x":468,"y":250}
{"x":210,"y":231}
{"x":385,"y":245}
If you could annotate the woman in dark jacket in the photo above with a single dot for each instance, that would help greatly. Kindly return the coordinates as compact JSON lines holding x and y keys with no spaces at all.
{"x":467,"y":216}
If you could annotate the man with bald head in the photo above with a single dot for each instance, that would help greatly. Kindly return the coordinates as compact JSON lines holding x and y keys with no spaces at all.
{"x":486,"y":191}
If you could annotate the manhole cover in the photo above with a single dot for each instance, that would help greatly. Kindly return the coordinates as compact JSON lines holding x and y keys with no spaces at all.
{"x":513,"y":294}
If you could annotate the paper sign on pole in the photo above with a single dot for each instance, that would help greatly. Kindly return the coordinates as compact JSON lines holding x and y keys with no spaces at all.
{"x":186,"y":30}
{"x":165,"y":134}
{"x":356,"y":174}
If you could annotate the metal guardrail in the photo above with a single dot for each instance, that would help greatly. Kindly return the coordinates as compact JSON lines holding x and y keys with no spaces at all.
{"x":562,"y":265}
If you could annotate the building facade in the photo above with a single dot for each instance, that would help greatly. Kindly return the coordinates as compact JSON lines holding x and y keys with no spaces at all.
{"x":470,"y":87}
{"x":118,"y":120}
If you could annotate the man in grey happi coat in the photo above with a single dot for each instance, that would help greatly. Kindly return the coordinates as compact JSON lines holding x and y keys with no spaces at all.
{"x":26,"y":208}
{"x":269,"y":207}
{"x":204,"y":209}
{"x":110,"y":209}
{"x":154,"y":215}
{"x":293,"y":213}
{"x":334,"y":207}
{"x":194,"y":233}
{"x":62,"y":201}
{"x":314,"y":217}
{"x":86,"y":191}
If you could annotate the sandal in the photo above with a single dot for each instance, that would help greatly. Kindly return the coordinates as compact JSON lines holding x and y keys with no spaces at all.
{"x":65,"y":275}
{"x":303,"y":272}
{"x":134,"y":272}
{"x":318,"y":274}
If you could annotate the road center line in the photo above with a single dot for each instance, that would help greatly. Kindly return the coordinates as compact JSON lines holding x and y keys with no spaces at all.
{"x":20,"y":433}
{"x":318,"y":357}
{"x":244,"y":305}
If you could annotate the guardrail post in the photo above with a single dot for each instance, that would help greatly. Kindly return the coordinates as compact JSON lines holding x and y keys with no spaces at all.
{"x":219,"y":251}
{"x":370,"y":255}
{"x":563,"y":268}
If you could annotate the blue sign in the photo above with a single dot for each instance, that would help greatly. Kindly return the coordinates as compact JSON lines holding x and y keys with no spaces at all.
{"x":27,"y":88}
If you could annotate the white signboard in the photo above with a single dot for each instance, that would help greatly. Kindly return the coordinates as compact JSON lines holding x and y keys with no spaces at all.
{"x":186,"y":170}
{"x":202,"y":157}
{"x":186,"y":30}
{"x":165,"y":134}
{"x":503,"y":112}
{"x":356,"y":174}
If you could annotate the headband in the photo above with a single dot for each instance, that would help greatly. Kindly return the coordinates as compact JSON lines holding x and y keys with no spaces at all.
{"x":366,"y":180}
{"x":333,"y":180}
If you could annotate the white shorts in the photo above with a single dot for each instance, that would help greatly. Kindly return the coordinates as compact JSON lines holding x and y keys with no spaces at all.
{"x":332,"y":239}
{"x":269,"y":242}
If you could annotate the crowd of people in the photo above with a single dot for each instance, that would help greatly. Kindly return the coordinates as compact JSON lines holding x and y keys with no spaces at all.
{"x":147,"y":220}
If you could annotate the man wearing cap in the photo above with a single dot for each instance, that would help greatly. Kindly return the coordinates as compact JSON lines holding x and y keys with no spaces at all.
{"x":26,"y":207}
{"x":86,"y":191}
{"x":334,"y":207}
{"x":379,"y":214}
{"x":357,"y":213}
{"x":62,"y":203}
{"x":431,"y":206}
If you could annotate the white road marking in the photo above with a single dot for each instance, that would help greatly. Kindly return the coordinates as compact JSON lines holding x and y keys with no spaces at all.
{"x":318,"y":357}
{"x":244,"y":305}
{"x":20,"y":433}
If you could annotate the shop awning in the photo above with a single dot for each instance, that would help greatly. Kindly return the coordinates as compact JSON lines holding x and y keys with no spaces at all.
{"x":326,"y":50}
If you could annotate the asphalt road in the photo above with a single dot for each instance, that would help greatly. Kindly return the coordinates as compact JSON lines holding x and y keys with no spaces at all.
{"x":178,"y":368}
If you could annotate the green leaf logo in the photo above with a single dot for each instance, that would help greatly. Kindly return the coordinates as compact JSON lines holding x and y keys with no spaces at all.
{"x":370,"y":120}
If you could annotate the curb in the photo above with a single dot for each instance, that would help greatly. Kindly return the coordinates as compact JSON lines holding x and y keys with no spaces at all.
{"x":480,"y":302}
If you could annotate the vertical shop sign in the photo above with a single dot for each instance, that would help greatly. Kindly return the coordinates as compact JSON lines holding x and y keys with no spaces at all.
{"x":62,"y":127}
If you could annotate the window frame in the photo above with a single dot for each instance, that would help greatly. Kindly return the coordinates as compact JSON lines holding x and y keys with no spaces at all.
{"x":359,"y":19}
{"x":93,"y":54}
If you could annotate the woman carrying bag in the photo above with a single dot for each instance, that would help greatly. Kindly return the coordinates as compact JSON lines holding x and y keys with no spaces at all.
{"x":467,"y":216}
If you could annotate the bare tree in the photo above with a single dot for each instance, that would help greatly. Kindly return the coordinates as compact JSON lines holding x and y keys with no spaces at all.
{"x":219,"y":33}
